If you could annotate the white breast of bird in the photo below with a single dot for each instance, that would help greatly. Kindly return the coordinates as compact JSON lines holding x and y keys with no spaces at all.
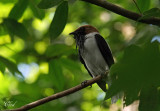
{"x":93,"y":57}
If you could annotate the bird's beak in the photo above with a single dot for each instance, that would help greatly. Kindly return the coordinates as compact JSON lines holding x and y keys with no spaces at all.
{"x":72,"y":33}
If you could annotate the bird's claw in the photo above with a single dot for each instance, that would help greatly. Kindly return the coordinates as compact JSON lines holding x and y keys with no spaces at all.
{"x":107,"y":71}
{"x":84,"y":83}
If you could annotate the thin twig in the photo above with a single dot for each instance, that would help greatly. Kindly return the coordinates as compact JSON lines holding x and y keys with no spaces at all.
{"x":57,"y":95}
{"x":137,"y":7}
{"x":121,"y":11}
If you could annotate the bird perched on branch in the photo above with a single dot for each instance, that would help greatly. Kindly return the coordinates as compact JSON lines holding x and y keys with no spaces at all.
{"x":94,"y":54}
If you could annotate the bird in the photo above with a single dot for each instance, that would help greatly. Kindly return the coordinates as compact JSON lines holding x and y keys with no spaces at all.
{"x":94,"y":54}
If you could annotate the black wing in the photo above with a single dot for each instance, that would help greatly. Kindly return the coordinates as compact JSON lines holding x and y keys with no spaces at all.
{"x":104,"y":49}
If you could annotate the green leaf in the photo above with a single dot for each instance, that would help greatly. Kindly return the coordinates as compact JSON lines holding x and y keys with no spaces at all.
{"x":20,"y":97}
{"x":7,"y":1}
{"x":143,"y":5}
{"x":2,"y":67}
{"x":59,"y":21}
{"x":137,"y":72}
{"x":55,"y":72}
{"x":58,"y":50}
{"x":12,"y":67}
{"x":71,"y":65}
{"x":44,"y":4}
{"x":15,"y":28}
{"x":39,"y":13}
{"x":150,"y":97}
{"x":154,"y":12}
{"x":3,"y":30}
{"x":18,"y":9}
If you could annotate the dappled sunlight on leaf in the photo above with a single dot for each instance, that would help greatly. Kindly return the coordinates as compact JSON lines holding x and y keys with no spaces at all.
{"x":26,"y":15}
{"x":42,"y":26}
{"x":9,"y":86}
{"x":48,"y":92}
{"x":9,"y":50}
{"x":86,"y":106}
{"x":68,"y":28}
{"x":5,"y":9}
{"x":43,"y":68}
{"x":5,"y":82}
{"x":5,"y":39}
{"x":40,"y":47}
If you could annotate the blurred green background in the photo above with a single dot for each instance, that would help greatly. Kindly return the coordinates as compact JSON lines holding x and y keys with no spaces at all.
{"x":32,"y":45}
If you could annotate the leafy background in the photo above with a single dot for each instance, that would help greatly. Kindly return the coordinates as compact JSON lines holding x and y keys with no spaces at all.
{"x":38,"y":58}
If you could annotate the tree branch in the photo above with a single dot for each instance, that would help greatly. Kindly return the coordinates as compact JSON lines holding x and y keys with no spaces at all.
{"x":121,"y":11}
{"x":57,"y":95}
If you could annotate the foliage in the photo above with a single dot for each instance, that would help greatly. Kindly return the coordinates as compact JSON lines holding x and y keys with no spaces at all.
{"x":59,"y":20}
{"x":143,"y":5}
{"x":139,"y":81}
{"x":154,"y":12}
{"x":28,"y":26}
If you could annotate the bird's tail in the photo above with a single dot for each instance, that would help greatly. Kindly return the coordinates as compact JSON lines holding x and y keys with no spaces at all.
{"x":102,"y":85}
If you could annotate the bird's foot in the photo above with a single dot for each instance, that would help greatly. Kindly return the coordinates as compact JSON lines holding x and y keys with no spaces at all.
{"x":84,"y":83}
{"x":107,"y":71}
{"x":105,"y":75}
